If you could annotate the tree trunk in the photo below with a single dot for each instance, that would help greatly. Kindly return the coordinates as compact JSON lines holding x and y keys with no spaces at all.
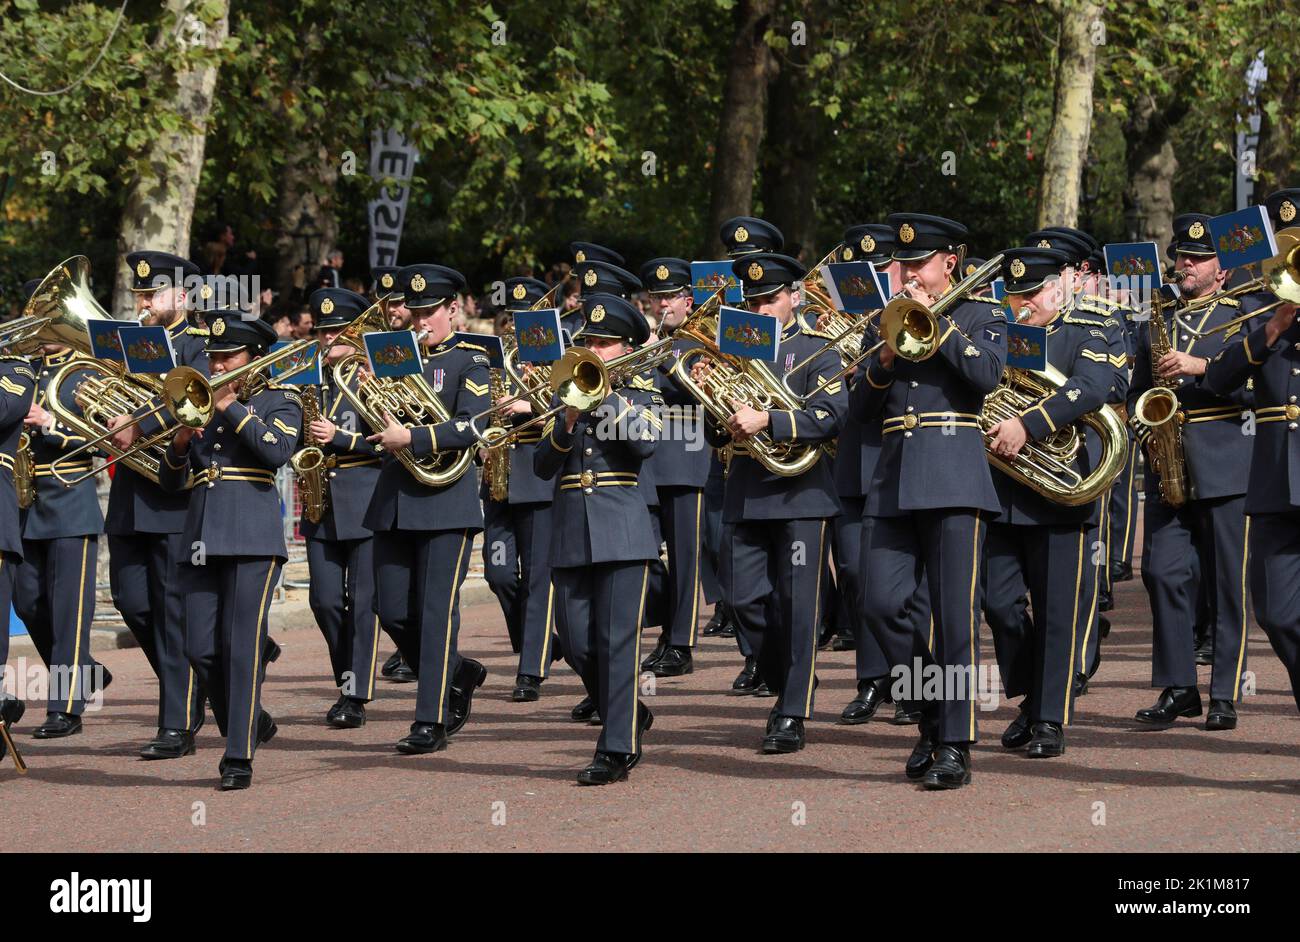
{"x":1150,"y":161}
{"x":741,"y":126}
{"x":159,"y":207}
{"x":1067,"y":142}
{"x":306,"y":165}
{"x":789,"y":187}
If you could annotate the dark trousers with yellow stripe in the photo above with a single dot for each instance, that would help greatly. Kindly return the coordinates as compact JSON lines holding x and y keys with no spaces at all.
{"x":1120,"y":531}
{"x":726,"y":532}
{"x":1219,"y":528}
{"x":8,"y":569}
{"x":599,"y":608}
{"x":1096,"y":577}
{"x":943,"y":548}
{"x":144,"y":574}
{"x":1275,"y":587}
{"x":342,"y":597}
{"x":517,"y":567}
{"x":54,"y":595}
{"x":681,"y":515}
{"x":711,"y":538}
{"x":775,"y":572}
{"x":870,"y":659}
{"x":1037,"y":653}
{"x":227,"y":602}
{"x":418,"y":575}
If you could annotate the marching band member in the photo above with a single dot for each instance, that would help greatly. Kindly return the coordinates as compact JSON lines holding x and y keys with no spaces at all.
{"x":233,"y":534}
{"x":423,"y":535}
{"x":145,"y":522}
{"x":1267,"y":358}
{"x":601,"y":545}
{"x":54,"y":587}
{"x":774,"y":552}
{"x":17,"y":391}
{"x":517,"y":536}
{"x":1034,"y":543}
{"x":923,"y":512}
{"x":340,"y":550}
{"x":1212,"y":523}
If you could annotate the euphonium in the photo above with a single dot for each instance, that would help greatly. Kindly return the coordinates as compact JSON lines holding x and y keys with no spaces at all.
{"x":408,"y":399}
{"x":25,"y":471}
{"x":1155,"y":416}
{"x":311,"y":465}
{"x":1047,"y":466}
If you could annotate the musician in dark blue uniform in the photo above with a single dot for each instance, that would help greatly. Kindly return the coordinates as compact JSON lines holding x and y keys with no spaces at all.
{"x":1036,"y":544}
{"x":517,"y":534}
{"x":778,"y":527}
{"x":424,"y":534}
{"x":17,"y":392}
{"x":54,"y":590}
{"x":144,"y":522}
{"x":1212,"y":523}
{"x":601,"y":544}
{"x":681,"y":469}
{"x":340,"y":550}
{"x":233,"y":534}
{"x":925,"y":509}
{"x":1266,"y":359}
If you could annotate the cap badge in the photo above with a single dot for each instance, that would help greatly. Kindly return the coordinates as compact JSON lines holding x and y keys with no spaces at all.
{"x":662,"y":272}
{"x":755,"y":271}
{"x":970,"y":269}
{"x":418,"y":283}
{"x":519,"y":293}
{"x":218,"y":327}
{"x":597,"y":314}
{"x":868,"y":244}
{"x":1286,"y":212}
{"x":142,"y":268}
{"x":847,"y":254}
{"x":327,"y":306}
{"x":1044,"y":244}
{"x":906,"y":234}
{"x":589,"y":277}
{"x":1017,"y":268}
{"x":741,"y":234}
{"x":205,"y":292}
{"x":387,"y":280}
{"x":1197,"y":230}
{"x":580,"y":256}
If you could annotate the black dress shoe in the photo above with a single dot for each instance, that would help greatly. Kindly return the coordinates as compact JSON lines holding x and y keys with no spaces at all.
{"x":57,"y":725}
{"x":1103,"y":627}
{"x":605,"y":769}
{"x":170,"y":744}
{"x":584,"y":710}
{"x":1080,"y":685}
{"x":469,"y":677}
{"x":728,"y":629}
{"x":266,"y":728}
{"x":717,"y":622}
{"x":651,"y":659}
{"x":922,"y":757}
{"x":1105,"y":601}
{"x":747,"y":680}
{"x":404,"y":674}
{"x":1018,"y":733}
{"x":1121,"y":573}
{"x":784,"y":734}
{"x":391,"y":664}
{"x":644,"y":720}
{"x":423,"y":738}
{"x":270,"y":654}
{"x":236,"y":774}
{"x":527,"y":688}
{"x":763,"y":689}
{"x":351,"y":714}
{"x":1222,"y":715}
{"x":1205,"y":651}
{"x":11,"y":711}
{"x":334,"y":710}
{"x":844,"y":642}
{"x":674,"y":662}
{"x":1173,"y":703}
{"x":101,"y":677}
{"x":905,"y":716}
{"x":871,"y":693}
{"x":1048,"y":741}
{"x":951,"y":767}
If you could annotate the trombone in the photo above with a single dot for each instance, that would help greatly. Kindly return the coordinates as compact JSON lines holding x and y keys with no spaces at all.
{"x":187,"y":397}
{"x":1280,"y":275}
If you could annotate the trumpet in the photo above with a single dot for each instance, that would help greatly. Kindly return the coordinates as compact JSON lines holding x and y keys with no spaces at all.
{"x":1280,"y":275}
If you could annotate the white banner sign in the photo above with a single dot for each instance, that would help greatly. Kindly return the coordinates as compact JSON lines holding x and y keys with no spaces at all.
{"x":390,"y":156}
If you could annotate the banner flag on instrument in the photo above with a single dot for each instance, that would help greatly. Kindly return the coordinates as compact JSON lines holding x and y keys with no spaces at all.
{"x":105,"y":344}
{"x":708,"y":277}
{"x":147,"y":349}
{"x":1243,"y":237}
{"x":854,"y":287}
{"x":746,"y":334}
{"x":393,"y":353}
{"x":1026,"y":347}
{"x":999,"y":286}
{"x":489,"y":342}
{"x":539,"y":335}
{"x":302,"y":370}
{"x":1134,"y":267}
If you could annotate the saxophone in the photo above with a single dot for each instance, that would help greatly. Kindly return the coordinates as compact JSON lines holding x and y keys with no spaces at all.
{"x":1156,"y":418}
{"x":25,"y":471}
{"x":496,"y":464}
{"x":310,"y":463}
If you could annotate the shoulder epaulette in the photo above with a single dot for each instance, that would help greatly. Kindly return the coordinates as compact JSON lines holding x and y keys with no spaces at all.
{"x":818,"y":333}
{"x":1071,"y":318}
{"x":472,"y":346}
{"x":1231,"y":302}
{"x":982,"y":297}
{"x":290,"y":392}
{"x":197,"y":331}
{"x":1099,"y":301}
{"x":15,"y":357}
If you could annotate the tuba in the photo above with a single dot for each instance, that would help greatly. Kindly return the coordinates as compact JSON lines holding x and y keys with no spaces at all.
{"x":1155,"y":417}
{"x":311,"y":465}
{"x":409,"y":399}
